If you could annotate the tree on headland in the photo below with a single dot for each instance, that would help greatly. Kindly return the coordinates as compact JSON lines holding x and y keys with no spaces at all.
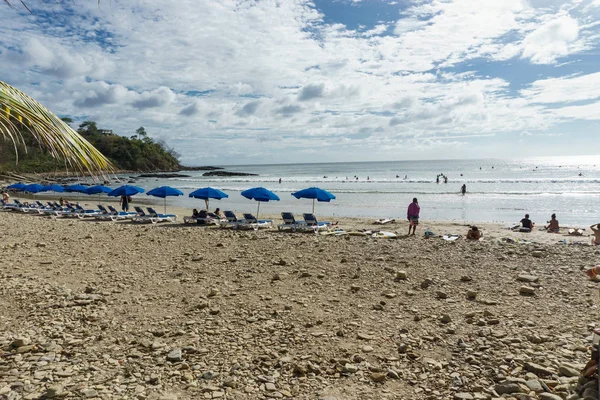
{"x":20,"y":114}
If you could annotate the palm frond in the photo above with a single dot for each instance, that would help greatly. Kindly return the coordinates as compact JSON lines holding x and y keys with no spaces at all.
{"x":18,"y":110}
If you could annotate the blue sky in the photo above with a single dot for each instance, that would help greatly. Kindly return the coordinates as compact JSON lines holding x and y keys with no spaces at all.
{"x":269,"y":81}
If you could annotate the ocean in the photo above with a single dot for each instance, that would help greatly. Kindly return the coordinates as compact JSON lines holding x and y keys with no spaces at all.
{"x":497,"y":190}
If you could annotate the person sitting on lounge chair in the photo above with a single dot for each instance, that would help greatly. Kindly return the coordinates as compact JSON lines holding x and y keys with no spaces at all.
{"x":195,"y":213}
{"x":216,"y":214}
{"x":552,"y":224}
{"x":474,"y":233}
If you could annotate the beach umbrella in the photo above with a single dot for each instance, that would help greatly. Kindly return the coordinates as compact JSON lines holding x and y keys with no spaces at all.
{"x":33,"y":188}
{"x":16,"y":186}
{"x":259,"y":194}
{"x":54,"y":188}
{"x":208,"y":193}
{"x":126,"y":190}
{"x":164,"y":192}
{"x":314,"y":193}
{"x":98,"y":189}
{"x":77,"y":188}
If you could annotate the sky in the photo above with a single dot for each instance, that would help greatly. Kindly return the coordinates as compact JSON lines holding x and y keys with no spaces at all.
{"x":280,"y":81}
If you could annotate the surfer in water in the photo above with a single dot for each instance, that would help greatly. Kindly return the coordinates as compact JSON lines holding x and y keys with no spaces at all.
{"x":463,"y":189}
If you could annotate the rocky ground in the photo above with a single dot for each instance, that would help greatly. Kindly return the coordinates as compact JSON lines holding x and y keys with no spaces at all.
{"x":115,"y":310}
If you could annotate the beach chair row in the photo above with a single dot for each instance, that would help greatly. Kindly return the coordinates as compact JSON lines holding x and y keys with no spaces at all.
{"x":249,"y":221}
{"x":102,"y":213}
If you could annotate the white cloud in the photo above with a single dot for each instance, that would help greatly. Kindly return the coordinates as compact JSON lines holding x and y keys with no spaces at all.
{"x":564,"y":89}
{"x":551,"y":40}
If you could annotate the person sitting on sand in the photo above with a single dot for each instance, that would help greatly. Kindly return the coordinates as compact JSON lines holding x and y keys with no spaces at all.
{"x":552,"y":224}
{"x":474,"y":233}
{"x":5,"y":197}
{"x":596,"y":231}
{"x":526,"y":224}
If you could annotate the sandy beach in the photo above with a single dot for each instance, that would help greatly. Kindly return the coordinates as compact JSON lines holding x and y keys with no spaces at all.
{"x":118,"y":310}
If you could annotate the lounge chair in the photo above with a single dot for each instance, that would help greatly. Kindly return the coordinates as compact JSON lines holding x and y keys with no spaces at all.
{"x":114,"y":215}
{"x":231,"y":220}
{"x":26,"y":208}
{"x":254,"y":223}
{"x":7,"y":206}
{"x":289,"y":222}
{"x":208,"y":220}
{"x":154,"y":217}
{"x":82,"y":212}
{"x":311,"y":221}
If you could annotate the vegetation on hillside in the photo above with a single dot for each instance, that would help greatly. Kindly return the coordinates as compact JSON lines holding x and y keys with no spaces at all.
{"x":137,"y":153}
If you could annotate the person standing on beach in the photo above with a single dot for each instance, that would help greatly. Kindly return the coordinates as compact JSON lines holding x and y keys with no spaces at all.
{"x":125,"y":203}
{"x":413,"y":215}
{"x":463,"y":189}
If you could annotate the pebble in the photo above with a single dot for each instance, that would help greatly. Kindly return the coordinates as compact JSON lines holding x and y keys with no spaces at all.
{"x":526,"y":291}
{"x":175,"y":355}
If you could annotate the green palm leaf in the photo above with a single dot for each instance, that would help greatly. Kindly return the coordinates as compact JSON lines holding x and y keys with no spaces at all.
{"x":18,"y":111}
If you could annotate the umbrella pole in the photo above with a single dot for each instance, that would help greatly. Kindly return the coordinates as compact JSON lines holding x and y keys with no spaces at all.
{"x":257,"y":210}
{"x":165,"y":204}
{"x":313,"y":206}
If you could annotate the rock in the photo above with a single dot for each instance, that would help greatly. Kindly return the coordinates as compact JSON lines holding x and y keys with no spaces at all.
{"x":350,"y":368}
{"x":89,"y":393}
{"x":446,"y":319}
{"x":537,"y":369}
{"x":441,"y":295}
{"x":364,"y":336}
{"x":54,"y":391}
{"x":270,"y":387}
{"x":550,"y":396}
{"x":401,"y":275}
{"x":426,"y":283}
{"x":534,"y":385}
{"x":402,"y":347}
{"x":537,"y":253}
{"x":367,"y":349}
{"x":466,"y":278}
{"x":567,"y":370}
{"x":472,"y":294}
{"x":19,"y":342}
{"x":378,"y":376}
{"x":463,"y":396}
{"x":527,"y":278}
{"x":393,"y":374}
{"x":507,"y":388}
{"x":526,"y":291}
{"x":175,"y":355}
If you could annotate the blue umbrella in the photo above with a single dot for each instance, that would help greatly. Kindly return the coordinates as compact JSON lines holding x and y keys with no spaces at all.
{"x":33,"y":188}
{"x":126,"y":190}
{"x":259,"y":194}
{"x":163,"y":192}
{"x":76,"y":188}
{"x":98,"y":189}
{"x":208,"y":193}
{"x":54,"y":188}
{"x":314,"y":193}
{"x":16,"y":186}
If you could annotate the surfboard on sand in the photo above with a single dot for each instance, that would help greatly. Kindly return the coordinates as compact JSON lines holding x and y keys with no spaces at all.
{"x":384,"y":235}
{"x":576,"y":232}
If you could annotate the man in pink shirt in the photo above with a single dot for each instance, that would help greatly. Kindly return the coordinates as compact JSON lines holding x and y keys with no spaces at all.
{"x":413,"y":215}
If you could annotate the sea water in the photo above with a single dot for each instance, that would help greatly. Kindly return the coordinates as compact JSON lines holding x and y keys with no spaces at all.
{"x":497,"y":190}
